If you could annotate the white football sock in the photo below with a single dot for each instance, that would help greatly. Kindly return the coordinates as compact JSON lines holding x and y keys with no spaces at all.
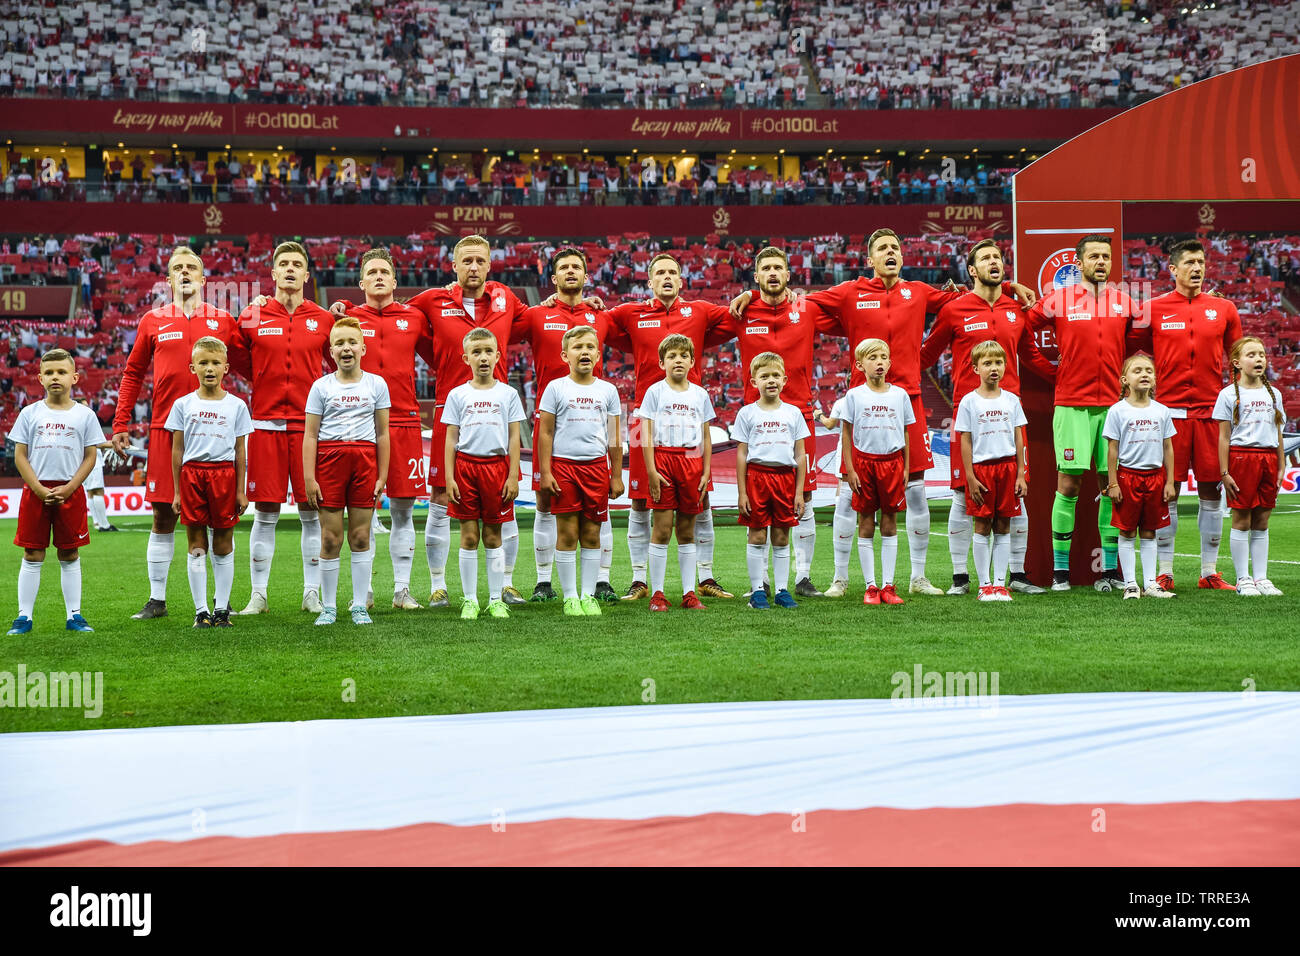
{"x":658,"y":559}
{"x":1209,"y":519}
{"x":780,"y":568}
{"x":401,"y":544}
{"x":867,"y":558}
{"x":437,"y":542}
{"x":510,"y":553}
{"x":638,"y":542}
{"x":704,"y":544}
{"x":1259,"y":554}
{"x":261,"y":548}
{"x":1019,"y":540}
{"x":981,"y":548}
{"x":1128,"y":561}
{"x":1147,"y":548}
{"x":159,"y":554}
{"x":960,"y":534}
{"x":686,"y":556}
{"x":1001,"y":558}
{"x":845,"y":526}
{"x":566,"y":569}
{"x":590,"y":559}
{"x":756,"y":562}
{"x":196,"y":566}
{"x":362,"y":563}
{"x":29,"y":583}
{"x":805,"y":543}
{"x":1165,"y":540}
{"x":496,"y":572}
{"x":70,"y":583}
{"x":99,"y":510}
{"x":606,"y":550}
{"x":469,"y":572}
{"x":918,"y":529}
{"x":888,"y":558}
{"x":223,"y":575}
{"x":544,"y":544}
{"x":309,"y":545}
{"x":329,"y":581}
{"x":1239,"y":546}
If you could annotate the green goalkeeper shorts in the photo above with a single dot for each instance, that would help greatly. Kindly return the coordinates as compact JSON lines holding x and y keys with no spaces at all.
{"x":1076,"y":433}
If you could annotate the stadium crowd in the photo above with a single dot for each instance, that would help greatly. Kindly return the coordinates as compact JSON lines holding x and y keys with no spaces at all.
{"x":582,"y":53}
{"x":171,"y":176}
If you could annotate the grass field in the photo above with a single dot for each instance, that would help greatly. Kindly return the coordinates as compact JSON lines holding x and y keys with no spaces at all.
{"x":280,"y":667}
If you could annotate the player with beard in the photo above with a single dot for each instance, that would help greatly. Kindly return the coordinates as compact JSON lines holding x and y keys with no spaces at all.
{"x":779,"y":321}
{"x":639,"y":327}
{"x":165,"y":340}
{"x":1091,"y":321}
{"x":987,"y":313}
{"x":543,"y":327}
{"x":287,"y":338}
{"x":1189,"y":333}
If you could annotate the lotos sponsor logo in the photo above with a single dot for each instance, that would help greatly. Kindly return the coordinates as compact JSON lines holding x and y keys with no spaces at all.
{"x":270,"y":330}
{"x":757,"y":329}
{"x":648,"y":324}
{"x":367,"y":333}
{"x":975,"y":326}
{"x":459,"y":312}
{"x":170,"y":336}
{"x":1079,"y":317}
{"x":555,"y":327}
{"x":1172,"y":326}
{"x":869,"y":304}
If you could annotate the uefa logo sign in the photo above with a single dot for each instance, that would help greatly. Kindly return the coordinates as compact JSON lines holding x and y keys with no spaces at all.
{"x":1059,"y":270}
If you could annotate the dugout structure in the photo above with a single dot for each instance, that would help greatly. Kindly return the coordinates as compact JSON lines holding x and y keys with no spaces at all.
{"x":1233,"y":138}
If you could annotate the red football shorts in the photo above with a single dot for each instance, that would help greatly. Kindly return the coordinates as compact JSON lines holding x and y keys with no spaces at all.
{"x":407,"y":470}
{"x":437,"y":451}
{"x":1196,"y":447}
{"x":636,"y":476}
{"x":584,"y":487}
{"x":1255,"y":472}
{"x":1000,"y":501}
{"x":680,"y":470}
{"x":771,"y":497}
{"x":66,"y":524}
{"x":918,"y":439}
{"x":346,"y":472}
{"x":958,"y":481}
{"x":275,"y":462}
{"x":480,"y":481}
{"x":208,"y":494}
{"x":1142,"y":504}
{"x":158,"y":468}
{"x":881,"y":482}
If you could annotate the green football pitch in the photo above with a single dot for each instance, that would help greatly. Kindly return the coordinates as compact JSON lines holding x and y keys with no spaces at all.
{"x":280,"y":667}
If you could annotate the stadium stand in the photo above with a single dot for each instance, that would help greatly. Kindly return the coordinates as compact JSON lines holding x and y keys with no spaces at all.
{"x":794,"y":53}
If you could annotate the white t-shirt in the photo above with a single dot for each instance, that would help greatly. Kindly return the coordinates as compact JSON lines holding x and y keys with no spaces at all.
{"x":210,"y":427}
{"x":56,"y":438}
{"x":483,"y":416}
{"x":347,"y":409}
{"x":1258,"y":425}
{"x":769,"y":434}
{"x":581,"y":417}
{"x":992,"y":423}
{"x":678,"y":417}
{"x":1141,"y":433}
{"x":879,"y":419}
